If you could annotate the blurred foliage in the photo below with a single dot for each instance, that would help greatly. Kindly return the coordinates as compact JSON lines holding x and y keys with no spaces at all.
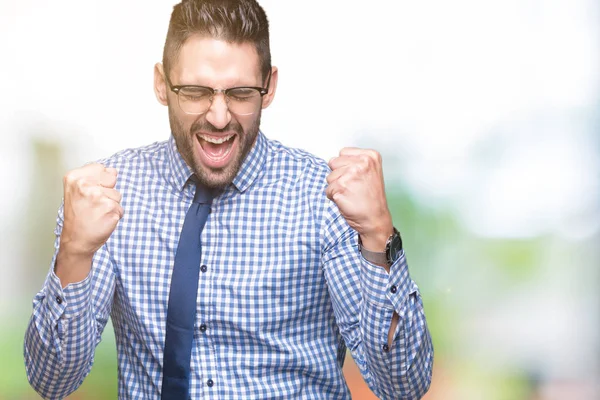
{"x":13,"y":383}
{"x":42,"y":205}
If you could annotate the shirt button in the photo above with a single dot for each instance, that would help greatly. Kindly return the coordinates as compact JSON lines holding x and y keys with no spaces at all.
{"x":386,"y":348}
{"x":203,"y":327}
{"x":203,"y":268}
{"x":393,"y":289}
{"x":210,"y":383}
{"x":58,"y":300}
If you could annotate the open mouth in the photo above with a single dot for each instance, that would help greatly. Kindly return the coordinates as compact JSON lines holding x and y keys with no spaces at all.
{"x":216,"y":149}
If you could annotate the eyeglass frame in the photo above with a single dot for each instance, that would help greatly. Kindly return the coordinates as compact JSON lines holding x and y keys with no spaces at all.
{"x":176,"y":88}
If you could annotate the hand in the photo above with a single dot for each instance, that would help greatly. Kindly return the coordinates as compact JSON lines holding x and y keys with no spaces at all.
{"x":357,"y":188}
{"x":92,"y":209}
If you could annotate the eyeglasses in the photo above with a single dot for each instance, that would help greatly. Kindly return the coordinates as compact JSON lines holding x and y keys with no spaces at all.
{"x":196,"y":100}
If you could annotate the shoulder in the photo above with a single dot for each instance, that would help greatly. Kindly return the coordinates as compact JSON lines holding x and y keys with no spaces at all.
{"x":142,"y":168}
{"x":304,"y":175}
{"x":294,"y":161}
{"x":139,"y":157}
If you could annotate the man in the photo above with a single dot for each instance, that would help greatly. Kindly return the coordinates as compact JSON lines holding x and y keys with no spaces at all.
{"x":231,"y":265}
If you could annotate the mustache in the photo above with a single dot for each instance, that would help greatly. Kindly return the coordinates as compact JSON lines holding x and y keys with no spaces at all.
{"x":205,"y":126}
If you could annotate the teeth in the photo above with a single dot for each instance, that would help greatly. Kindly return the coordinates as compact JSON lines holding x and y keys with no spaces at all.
{"x":216,"y":140}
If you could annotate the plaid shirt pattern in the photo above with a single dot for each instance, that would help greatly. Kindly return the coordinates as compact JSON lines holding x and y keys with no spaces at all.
{"x":282,"y":293}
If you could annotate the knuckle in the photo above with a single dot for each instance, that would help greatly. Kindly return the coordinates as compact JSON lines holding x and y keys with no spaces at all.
{"x":111,"y":174}
{"x":91,"y":191}
{"x":342,"y":184}
{"x":84,"y":190}
{"x":364,"y":162}
{"x":329,"y":193}
{"x":108,"y":206}
{"x":70,"y":178}
{"x":374,"y":155}
{"x":377,"y":156}
{"x":332,"y":176}
{"x":114,"y":217}
{"x":358,"y":168}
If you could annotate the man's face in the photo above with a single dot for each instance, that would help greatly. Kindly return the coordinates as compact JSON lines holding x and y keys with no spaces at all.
{"x":215,"y":143}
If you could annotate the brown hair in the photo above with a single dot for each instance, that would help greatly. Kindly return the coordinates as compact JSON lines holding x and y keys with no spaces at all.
{"x":234,"y":21}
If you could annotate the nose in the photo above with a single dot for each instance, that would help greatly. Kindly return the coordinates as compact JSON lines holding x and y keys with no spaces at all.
{"x":218,"y":113}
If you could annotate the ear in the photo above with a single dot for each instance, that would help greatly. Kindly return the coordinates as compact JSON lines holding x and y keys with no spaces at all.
{"x":160,"y":85}
{"x":268,"y":98}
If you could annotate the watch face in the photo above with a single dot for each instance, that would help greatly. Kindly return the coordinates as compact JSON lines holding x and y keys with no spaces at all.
{"x":395,"y":248}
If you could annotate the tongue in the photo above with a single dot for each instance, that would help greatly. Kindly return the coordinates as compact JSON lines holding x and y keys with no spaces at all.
{"x":215,"y":150}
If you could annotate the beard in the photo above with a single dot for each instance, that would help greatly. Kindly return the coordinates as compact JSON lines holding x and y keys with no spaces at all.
{"x":217,"y":178}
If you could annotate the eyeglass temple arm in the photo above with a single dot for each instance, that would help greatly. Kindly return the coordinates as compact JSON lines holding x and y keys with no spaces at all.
{"x":174,"y":89}
{"x":266,"y":90}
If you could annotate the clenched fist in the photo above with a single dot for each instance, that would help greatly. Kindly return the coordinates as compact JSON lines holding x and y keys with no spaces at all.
{"x":92,"y":210}
{"x":357,"y":188}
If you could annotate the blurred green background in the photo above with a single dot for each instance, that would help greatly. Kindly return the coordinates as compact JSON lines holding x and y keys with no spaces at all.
{"x":488,"y":118}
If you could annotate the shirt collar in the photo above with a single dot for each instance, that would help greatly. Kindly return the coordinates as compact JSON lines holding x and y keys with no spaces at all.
{"x":249,"y":171}
{"x":180,"y":171}
{"x":252,"y":165}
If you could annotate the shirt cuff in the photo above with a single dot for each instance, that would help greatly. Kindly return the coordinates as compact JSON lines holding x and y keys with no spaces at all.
{"x":387,"y":290}
{"x":68,"y":302}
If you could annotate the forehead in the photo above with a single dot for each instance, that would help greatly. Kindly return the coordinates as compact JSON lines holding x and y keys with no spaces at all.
{"x":215,"y":62}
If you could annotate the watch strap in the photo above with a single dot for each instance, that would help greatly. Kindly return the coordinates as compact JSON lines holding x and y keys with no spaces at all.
{"x":375,"y":257}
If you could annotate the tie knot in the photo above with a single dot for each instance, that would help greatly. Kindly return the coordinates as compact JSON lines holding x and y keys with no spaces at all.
{"x":203,"y":195}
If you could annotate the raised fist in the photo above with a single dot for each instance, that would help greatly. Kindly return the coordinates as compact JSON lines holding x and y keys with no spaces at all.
{"x":356,"y":185}
{"x":92,"y":209}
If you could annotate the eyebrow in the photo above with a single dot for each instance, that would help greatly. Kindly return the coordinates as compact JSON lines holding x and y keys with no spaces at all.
{"x":193,"y":82}
{"x":211,"y":87}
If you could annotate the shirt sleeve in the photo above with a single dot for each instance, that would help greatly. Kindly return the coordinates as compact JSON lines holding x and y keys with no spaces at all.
{"x":66,"y":325}
{"x":364,"y":298}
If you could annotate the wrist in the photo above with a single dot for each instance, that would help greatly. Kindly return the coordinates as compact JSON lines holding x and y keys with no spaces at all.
{"x":73,"y":248}
{"x":386,"y":258}
{"x":376,"y":240}
{"x":72,"y":266}
{"x":72,"y":255}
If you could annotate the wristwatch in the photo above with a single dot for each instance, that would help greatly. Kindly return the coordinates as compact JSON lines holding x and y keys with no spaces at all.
{"x":393,"y":248}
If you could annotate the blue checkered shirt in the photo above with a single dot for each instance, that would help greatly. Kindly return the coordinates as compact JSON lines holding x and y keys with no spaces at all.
{"x":284,"y":293}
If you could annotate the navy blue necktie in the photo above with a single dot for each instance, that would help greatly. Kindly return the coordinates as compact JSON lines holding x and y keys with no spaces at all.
{"x":181,"y":313}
